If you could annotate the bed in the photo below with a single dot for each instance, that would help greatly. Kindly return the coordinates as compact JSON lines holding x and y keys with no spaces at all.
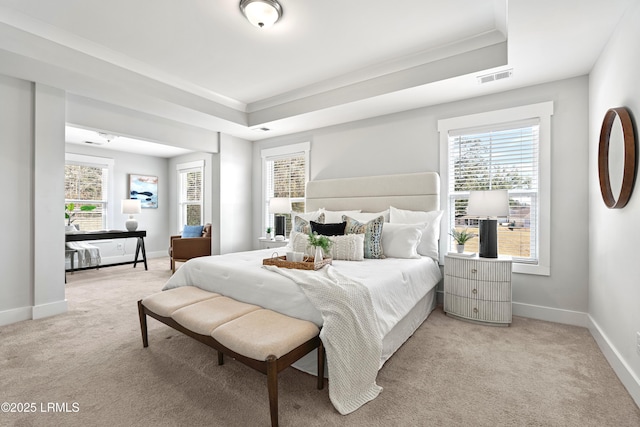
{"x":402,"y":290}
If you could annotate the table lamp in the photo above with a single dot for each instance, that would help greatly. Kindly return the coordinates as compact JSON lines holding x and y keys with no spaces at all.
{"x":131,"y":207}
{"x":487,"y":206}
{"x":278,"y":206}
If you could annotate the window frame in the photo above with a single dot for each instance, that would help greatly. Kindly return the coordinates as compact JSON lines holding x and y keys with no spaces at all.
{"x":102,"y":162}
{"x":541,"y":111}
{"x":270,"y":154}
{"x":182,"y":169}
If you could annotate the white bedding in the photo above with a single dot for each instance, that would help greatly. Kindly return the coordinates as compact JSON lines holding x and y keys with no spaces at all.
{"x":396,"y":285}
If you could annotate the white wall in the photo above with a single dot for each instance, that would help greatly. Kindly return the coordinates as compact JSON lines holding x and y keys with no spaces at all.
{"x":154,"y":221}
{"x":32,"y":120}
{"x":227,"y":194}
{"x":409,"y":142}
{"x":32,"y":142}
{"x":208,"y":188}
{"x":614,"y":288}
{"x":235,"y":195}
{"x":93,"y":114}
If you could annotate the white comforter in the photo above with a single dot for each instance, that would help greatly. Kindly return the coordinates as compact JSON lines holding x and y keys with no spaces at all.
{"x":379,"y":293}
{"x":395,"y":284}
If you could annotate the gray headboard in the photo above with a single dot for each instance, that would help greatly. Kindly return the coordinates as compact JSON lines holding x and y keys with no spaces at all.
{"x":414,"y":191}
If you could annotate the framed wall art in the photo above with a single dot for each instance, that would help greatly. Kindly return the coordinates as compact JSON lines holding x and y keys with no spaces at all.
{"x":145,"y":189}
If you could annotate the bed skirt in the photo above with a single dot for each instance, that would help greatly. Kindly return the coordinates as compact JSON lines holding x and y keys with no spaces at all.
{"x":397,"y":336}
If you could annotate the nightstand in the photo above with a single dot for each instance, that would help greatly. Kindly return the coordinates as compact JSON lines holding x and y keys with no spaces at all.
{"x":478,"y":289}
{"x":270,"y":244}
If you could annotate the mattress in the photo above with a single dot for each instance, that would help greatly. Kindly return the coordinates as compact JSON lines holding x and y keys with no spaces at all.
{"x":396,"y":285}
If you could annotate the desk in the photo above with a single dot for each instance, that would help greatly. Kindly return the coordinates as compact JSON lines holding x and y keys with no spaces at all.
{"x":111,"y":234}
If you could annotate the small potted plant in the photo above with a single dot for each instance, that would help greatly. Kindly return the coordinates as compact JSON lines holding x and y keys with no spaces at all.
{"x":70,"y":212}
{"x":461,"y":237}
{"x":322,"y":244}
{"x":269,"y":235}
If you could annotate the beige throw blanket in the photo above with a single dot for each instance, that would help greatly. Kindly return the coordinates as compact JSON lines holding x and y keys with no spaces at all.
{"x":349,"y":333}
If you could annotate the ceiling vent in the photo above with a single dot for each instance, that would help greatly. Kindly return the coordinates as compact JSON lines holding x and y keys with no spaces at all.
{"x":261,"y":129}
{"x":500,"y":75}
{"x":95,"y":142}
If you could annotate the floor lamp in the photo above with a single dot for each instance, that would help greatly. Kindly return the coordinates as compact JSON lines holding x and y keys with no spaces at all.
{"x":487,"y":206}
{"x":279,"y":206}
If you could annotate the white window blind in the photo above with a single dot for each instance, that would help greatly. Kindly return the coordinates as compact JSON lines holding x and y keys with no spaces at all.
{"x":86,"y":184}
{"x":285,"y":175}
{"x":506,"y":157}
{"x":190,"y":205}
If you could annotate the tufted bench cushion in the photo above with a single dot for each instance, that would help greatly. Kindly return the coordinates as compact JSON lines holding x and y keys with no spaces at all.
{"x":205,"y":316}
{"x":165,"y":303}
{"x":264,"y":333}
{"x":261,"y":339}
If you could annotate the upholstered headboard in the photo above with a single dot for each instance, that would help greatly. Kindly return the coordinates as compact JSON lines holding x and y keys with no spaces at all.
{"x":415,"y":191}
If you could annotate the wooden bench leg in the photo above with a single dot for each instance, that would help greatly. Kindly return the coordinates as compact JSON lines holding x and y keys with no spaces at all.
{"x":220,"y":358}
{"x":143,"y":324}
{"x":320,"y":366}
{"x":272,"y":386}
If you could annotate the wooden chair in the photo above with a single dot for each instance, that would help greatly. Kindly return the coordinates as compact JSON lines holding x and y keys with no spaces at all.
{"x":182,"y":249}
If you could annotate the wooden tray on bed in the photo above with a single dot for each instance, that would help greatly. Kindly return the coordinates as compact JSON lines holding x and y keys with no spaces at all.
{"x":306,"y":264}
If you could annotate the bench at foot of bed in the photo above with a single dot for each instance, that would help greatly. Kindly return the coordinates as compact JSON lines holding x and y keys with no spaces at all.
{"x":261,"y":339}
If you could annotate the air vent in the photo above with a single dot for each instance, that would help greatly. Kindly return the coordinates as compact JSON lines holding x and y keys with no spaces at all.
{"x":500,"y":75}
{"x":261,"y":129}
{"x":94,"y":142}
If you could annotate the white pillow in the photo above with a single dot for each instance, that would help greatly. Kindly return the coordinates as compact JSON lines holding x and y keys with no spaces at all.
{"x":331,"y":217}
{"x":430,"y":233}
{"x":349,"y":247}
{"x":368,"y":216}
{"x":401,"y":240}
{"x":309,"y":216}
{"x":300,"y":221}
{"x":299,"y":242}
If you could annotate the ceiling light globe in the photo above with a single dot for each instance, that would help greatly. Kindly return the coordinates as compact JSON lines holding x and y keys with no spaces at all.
{"x":261,"y":13}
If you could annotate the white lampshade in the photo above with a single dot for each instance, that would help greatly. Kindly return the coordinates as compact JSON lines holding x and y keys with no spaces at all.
{"x":490,"y":203}
{"x":279,"y":205}
{"x":261,"y":13}
{"x":131,"y":206}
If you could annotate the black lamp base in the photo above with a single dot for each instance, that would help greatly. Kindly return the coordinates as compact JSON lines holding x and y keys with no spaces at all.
{"x":488,"y":238}
{"x":279,"y":219}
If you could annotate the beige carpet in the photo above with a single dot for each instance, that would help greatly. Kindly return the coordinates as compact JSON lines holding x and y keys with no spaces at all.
{"x":450,"y":373}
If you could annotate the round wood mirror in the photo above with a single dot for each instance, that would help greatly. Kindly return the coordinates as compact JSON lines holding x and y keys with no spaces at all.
{"x":617,"y":157}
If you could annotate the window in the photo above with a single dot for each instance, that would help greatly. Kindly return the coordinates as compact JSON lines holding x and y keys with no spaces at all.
{"x":508,"y":150}
{"x":285,"y":174}
{"x":86,"y":183}
{"x":190,"y":207}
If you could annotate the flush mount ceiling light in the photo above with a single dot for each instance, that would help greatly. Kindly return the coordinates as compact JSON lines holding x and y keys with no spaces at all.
{"x":261,"y":13}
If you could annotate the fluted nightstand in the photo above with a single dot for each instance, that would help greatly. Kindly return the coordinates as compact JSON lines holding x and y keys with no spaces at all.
{"x":478,"y":289}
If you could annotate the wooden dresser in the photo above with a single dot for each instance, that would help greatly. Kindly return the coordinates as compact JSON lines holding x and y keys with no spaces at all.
{"x":478,"y":289}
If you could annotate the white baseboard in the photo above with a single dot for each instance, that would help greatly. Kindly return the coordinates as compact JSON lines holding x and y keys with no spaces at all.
{"x":628,"y":378}
{"x":129,"y":258}
{"x":549,"y":314}
{"x":157,"y":254}
{"x":557,"y":315}
{"x":20,"y":314}
{"x":15,"y":315}
{"x":49,"y":309}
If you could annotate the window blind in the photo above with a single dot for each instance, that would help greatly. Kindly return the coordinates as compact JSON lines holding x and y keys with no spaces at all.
{"x":190,"y":202}
{"x":87,"y":185}
{"x":504,"y":156}
{"x":285,"y":176}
